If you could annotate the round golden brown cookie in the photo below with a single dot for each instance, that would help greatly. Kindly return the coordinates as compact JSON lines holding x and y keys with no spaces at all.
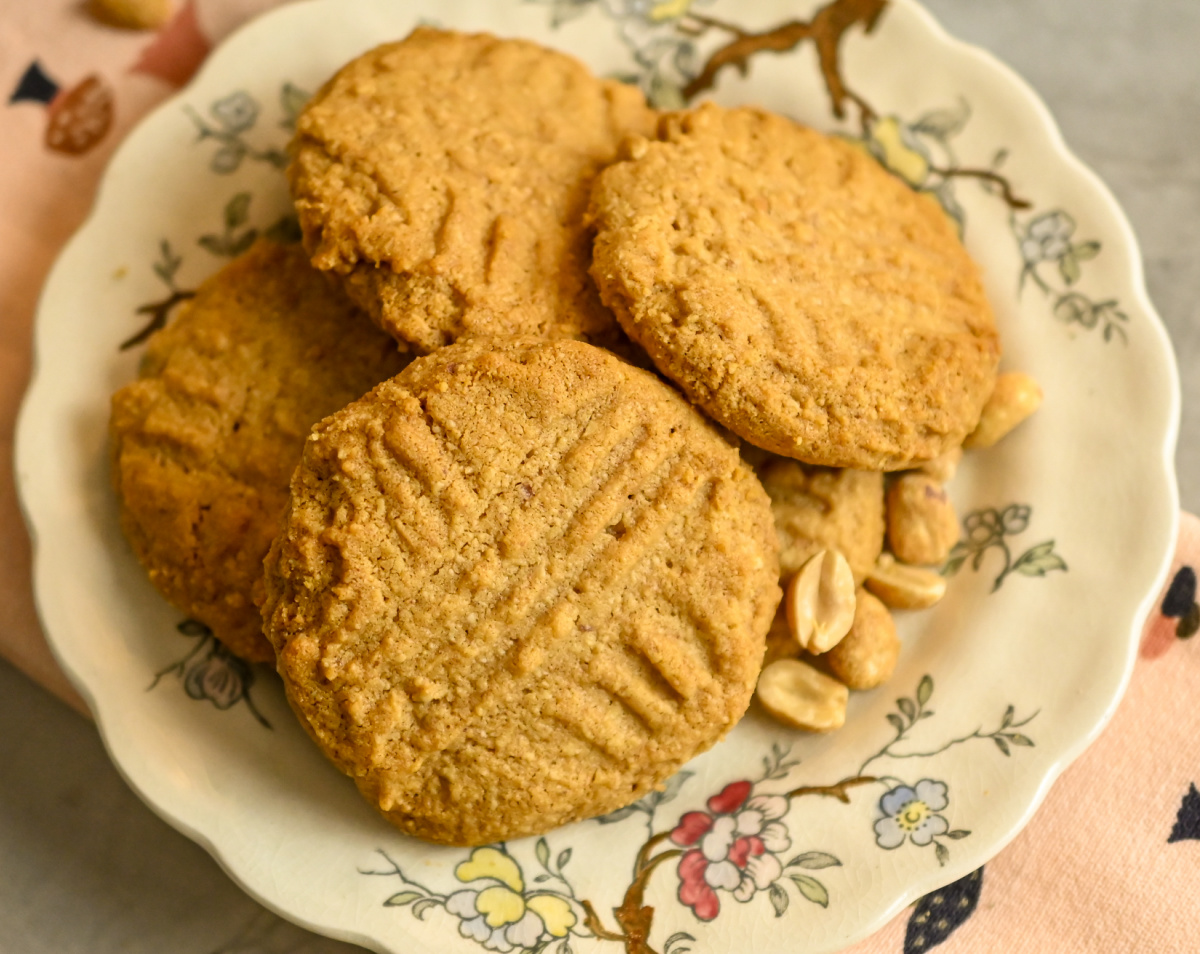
{"x":203,"y":445}
{"x":809,"y":301}
{"x":444,"y":179}
{"x":819,"y":508}
{"x":519,"y":584}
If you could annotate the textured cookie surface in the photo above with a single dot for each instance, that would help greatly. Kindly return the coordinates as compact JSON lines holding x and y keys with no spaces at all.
{"x":819,"y":508}
{"x":518,"y":585}
{"x":204,"y":444}
{"x":805,"y":298}
{"x":444,"y":179}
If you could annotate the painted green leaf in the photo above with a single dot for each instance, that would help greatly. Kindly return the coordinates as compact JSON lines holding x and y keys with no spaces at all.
{"x":212,"y":243}
{"x":908,"y":707}
{"x":674,"y":784}
{"x":779,"y":899}
{"x":563,"y":857}
{"x":678,"y":938}
{"x":193,"y":627}
{"x":421,"y":908}
{"x":291,"y":99}
{"x":813,"y":860}
{"x":924,"y":690}
{"x":1017,"y":739}
{"x":1008,"y":717}
{"x":401,"y":899}
{"x":619,"y":815}
{"x":812,"y":889}
{"x":1068,"y":267}
{"x":542,"y":850}
{"x":1086,"y":250}
{"x":942,"y":852}
{"x":954,"y":562}
{"x":1001,"y":744}
{"x":957,"y":834}
{"x":286,"y":229}
{"x":944,"y":123}
{"x":896,"y":721}
{"x":1039,"y":560}
{"x":237,"y":210}
{"x":540,"y":878}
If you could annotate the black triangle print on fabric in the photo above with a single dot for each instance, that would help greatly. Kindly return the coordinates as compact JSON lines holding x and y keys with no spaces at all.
{"x":34,"y":86}
{"x":1180,"y":603}
{"x":1187,"y":821}
{"x":1181,"y":595}
{"x":940,"y":913}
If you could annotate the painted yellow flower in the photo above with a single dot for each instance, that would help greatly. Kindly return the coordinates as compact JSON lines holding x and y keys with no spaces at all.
{"x":891,"y":143}
{"x":669,"y":10}
{"x":491,"y":863}
{"x":501,"y":916}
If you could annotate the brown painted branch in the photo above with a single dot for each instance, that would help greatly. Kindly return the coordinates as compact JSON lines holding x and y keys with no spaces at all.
{"x":655,"y":862}
{"x":651,"y":843}
{"x":634,"y":915}
{"x":826,"y":29}
{"x":988,"y":175}
{"x":837,"y":791}
{"x":159,"y":312}
{"x":592,"y":920}
{"x":737,"y":53}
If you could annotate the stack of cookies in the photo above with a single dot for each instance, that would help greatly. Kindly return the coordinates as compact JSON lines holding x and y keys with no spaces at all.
{"x":505,"y":467}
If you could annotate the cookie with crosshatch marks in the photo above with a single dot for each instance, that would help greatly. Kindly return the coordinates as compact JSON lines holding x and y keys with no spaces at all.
{"x":518,"y":585}
{"x":204,"y":443}
{"x":443,"y":180}
{"x":800,"y":294}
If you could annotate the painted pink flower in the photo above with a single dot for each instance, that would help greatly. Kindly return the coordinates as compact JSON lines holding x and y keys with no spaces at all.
{"x":732,"y":847}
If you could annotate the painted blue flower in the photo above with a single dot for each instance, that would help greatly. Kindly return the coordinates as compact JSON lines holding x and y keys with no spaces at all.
{"x":1048,"y":237}
{"x":911,"y":813}
{"x":667,"y":58}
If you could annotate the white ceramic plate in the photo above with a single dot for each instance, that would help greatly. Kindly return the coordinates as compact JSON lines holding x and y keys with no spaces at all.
{"x":1068,"y":523}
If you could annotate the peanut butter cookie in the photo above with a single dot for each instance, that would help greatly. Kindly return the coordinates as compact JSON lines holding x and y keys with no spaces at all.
{"x":805,"y":298}
{"x":519,"y":584}
{"x":203,"y":445}
{"x":823,"y":508}
{"x":443,"y":179}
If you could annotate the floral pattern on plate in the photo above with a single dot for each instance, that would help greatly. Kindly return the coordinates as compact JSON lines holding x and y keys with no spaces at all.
{"x":733,"y":850}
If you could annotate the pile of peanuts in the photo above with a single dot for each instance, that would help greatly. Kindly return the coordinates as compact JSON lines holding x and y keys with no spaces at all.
{"x":846,"y":633}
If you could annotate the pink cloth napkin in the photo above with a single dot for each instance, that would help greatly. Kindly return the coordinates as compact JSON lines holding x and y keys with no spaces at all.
{"x":1106,"y":865}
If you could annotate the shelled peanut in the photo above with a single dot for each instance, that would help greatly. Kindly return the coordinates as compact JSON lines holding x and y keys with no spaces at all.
{"x":846,"y":634}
